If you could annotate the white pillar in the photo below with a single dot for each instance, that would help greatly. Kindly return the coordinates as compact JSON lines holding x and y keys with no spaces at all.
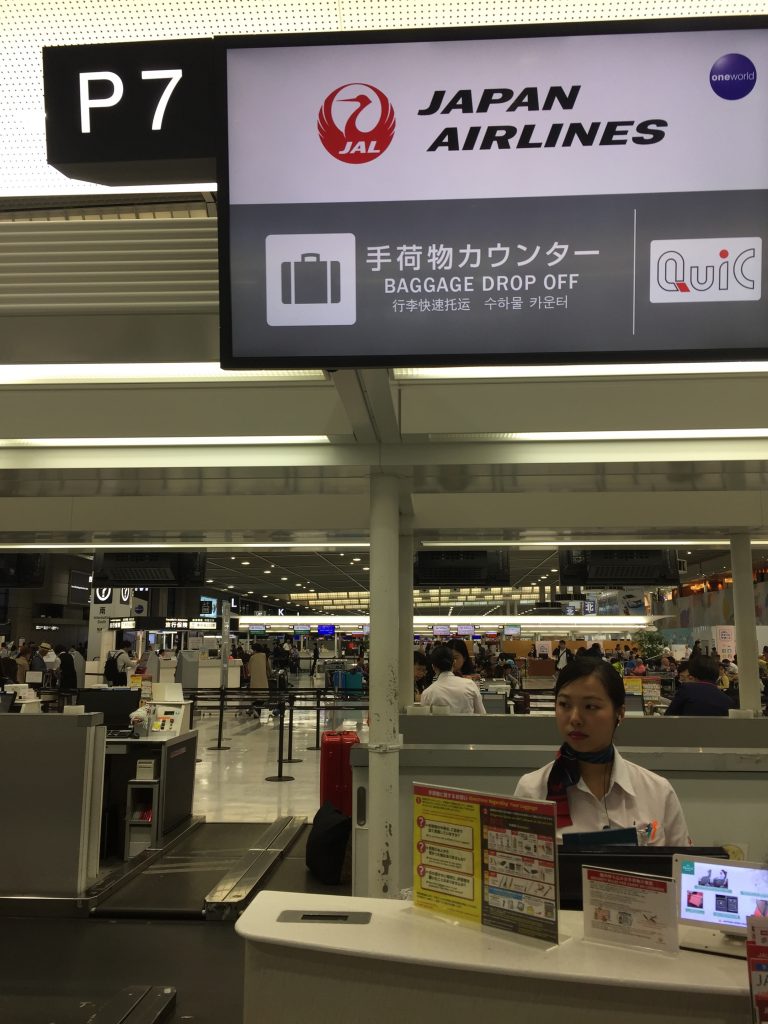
{"x":744,"y":618}
{"x":226,"y":611}
{"x":406,"y":611}
{"x":383,"y":743}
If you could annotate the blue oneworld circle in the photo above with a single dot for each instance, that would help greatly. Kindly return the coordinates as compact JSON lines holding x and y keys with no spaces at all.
{"x":733,"y":76}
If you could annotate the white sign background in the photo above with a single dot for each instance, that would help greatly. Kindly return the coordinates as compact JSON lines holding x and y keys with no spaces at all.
{"x":275,"y":94}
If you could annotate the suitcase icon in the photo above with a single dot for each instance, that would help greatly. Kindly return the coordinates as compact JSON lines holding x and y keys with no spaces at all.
{"x":310,"y":280}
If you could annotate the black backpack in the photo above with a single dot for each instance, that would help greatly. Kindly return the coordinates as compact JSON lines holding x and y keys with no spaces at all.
{"x":112,"y":674}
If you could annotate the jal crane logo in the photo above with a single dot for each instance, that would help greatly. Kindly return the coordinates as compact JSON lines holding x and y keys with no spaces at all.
{"x":356,"y":123}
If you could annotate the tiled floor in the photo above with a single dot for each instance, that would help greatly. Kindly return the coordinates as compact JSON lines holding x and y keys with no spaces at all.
{"x":230,"y":784}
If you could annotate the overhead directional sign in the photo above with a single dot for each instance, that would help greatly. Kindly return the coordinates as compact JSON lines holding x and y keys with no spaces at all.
{"x":131,"y":113}
{"x":570,"y":193}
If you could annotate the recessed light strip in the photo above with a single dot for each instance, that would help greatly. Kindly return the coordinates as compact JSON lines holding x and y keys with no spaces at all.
{"x":587,"y":542}
{"x":158,"y":442}
{"x":464,"y":373}
{"x":152,"y":545}
{"x":143,"y":373}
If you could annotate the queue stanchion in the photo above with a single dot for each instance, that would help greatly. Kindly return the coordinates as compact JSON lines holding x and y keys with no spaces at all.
{"x":219,"y":745}
{"x":291,"y":759}
{"x":280,"y":777}
{"x":317,"y":723}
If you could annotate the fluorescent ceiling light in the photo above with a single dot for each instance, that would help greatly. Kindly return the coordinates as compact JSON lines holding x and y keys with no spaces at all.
{"x":495,"y":373}
{"x":570,"y":622}
{"x":694,"y":434}
{"x":142,"y":373}
{"x":155,"y":442}
{"x":583,"y":542}
{"x":152,"y":545}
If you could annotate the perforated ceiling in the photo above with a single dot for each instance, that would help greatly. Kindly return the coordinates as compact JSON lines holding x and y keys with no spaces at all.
{"x":28,"y":25}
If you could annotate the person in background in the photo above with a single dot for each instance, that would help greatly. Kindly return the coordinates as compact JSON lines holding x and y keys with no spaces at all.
{"x":315,"y":658}
{"x":123,"y":662}
{"x":700,"y":695}
{"x":37,"y":660}
{"x":8,"y":668}
{"x":639,"y":669}
{"x":79,"y":662}
{"x":51,"y":660}
{"x":450,"y":691}
{"x":22,"y":663}
{"x":422,"y":673}
{"x":464,"y":667}
{"x":67,"y":673}
{"x":683,"y":675}
{"x":592,"y":785}
{"x":243,"y":657}
{"x":562,"y":656}
{"x":595,"y":651}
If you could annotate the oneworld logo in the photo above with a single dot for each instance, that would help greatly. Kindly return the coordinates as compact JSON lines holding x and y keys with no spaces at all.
{"x":706,"y":269}
{"x":733,"y":76}
{"x":356,"y":123}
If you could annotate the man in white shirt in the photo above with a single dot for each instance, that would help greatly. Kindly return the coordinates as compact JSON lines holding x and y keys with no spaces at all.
{"x":562,"y":656}
{"x":460,"y":696}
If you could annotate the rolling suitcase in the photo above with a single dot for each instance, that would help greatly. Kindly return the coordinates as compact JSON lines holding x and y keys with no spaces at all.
{"x":310,"y":279}
{"x":335,"y":769}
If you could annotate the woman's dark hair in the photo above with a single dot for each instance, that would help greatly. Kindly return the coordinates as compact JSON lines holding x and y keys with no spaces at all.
{"x":703,"y":668}
{"x":580,"y":668}
{"x":420,"y":659}
{"x":456,"y":644}
{"x":441,"y":657}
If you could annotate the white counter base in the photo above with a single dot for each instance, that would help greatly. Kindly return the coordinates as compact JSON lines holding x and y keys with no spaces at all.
{"x":409,"y":965}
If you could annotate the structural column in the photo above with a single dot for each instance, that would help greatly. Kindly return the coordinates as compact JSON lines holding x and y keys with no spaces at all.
{"x":383,"y":743}
{"x":406,"y":612}
{"x":744,"y":619}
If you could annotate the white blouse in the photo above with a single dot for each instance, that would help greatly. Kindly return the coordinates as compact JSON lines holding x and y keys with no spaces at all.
{"x":636,"y":797}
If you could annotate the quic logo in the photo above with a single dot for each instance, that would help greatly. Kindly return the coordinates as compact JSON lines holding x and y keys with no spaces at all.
{"x":706,"y":269}
{"x":733,"y":76}
{"x":356,"y":123}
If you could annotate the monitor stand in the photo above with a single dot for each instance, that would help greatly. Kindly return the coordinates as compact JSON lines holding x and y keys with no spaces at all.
{"x":706,"y":940}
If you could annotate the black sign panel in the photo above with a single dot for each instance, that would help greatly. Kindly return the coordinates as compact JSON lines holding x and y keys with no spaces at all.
{"x":131,"y":113}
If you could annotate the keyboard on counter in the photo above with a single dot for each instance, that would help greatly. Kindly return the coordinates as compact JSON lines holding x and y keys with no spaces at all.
{"x":121,"y":734}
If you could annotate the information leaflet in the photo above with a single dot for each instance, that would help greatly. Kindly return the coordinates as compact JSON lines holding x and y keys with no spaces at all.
{"x":629,"y":909}
{"x":488,"y":859}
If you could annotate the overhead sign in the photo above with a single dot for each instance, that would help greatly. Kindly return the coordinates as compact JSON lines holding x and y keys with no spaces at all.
{"x":551,"y":196}
{"x":202,"y":625}
{"x":131,"y":113}
{"x":122,"y":623}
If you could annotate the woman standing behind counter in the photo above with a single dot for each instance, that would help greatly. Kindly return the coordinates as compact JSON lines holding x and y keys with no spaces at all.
{"x":593,"y":786}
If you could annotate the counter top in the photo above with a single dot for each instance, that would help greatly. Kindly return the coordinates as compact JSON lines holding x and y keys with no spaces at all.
{"x":399,"y":932}
{"x":528,"y":757}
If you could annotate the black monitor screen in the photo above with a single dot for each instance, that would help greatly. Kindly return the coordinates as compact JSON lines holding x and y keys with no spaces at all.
{"x":116,"y":704}
{"x":648,"y":860}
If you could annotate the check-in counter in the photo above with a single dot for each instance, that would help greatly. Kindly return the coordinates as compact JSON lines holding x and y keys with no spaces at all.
{"x":305,"y":956}
{"x":209,"y":675}
{"x":52,"y":770}
{"x":718,"y":767}
{"x":174,"y":759}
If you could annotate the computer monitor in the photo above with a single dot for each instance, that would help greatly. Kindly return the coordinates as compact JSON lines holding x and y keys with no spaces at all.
{"x":720,"y":894}
{"x":647,"y":860}
{"x":116,"y":704}
{"x":6,"y":701}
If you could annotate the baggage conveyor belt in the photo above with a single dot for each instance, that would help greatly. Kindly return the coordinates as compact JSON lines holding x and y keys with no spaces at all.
{"x":214,"y":872}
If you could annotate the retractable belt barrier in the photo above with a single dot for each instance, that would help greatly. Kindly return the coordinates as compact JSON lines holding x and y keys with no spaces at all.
{"x":233,"y":700}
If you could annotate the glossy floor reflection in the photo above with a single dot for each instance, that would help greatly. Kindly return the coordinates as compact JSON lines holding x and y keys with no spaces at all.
{"x":230,"y":784}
